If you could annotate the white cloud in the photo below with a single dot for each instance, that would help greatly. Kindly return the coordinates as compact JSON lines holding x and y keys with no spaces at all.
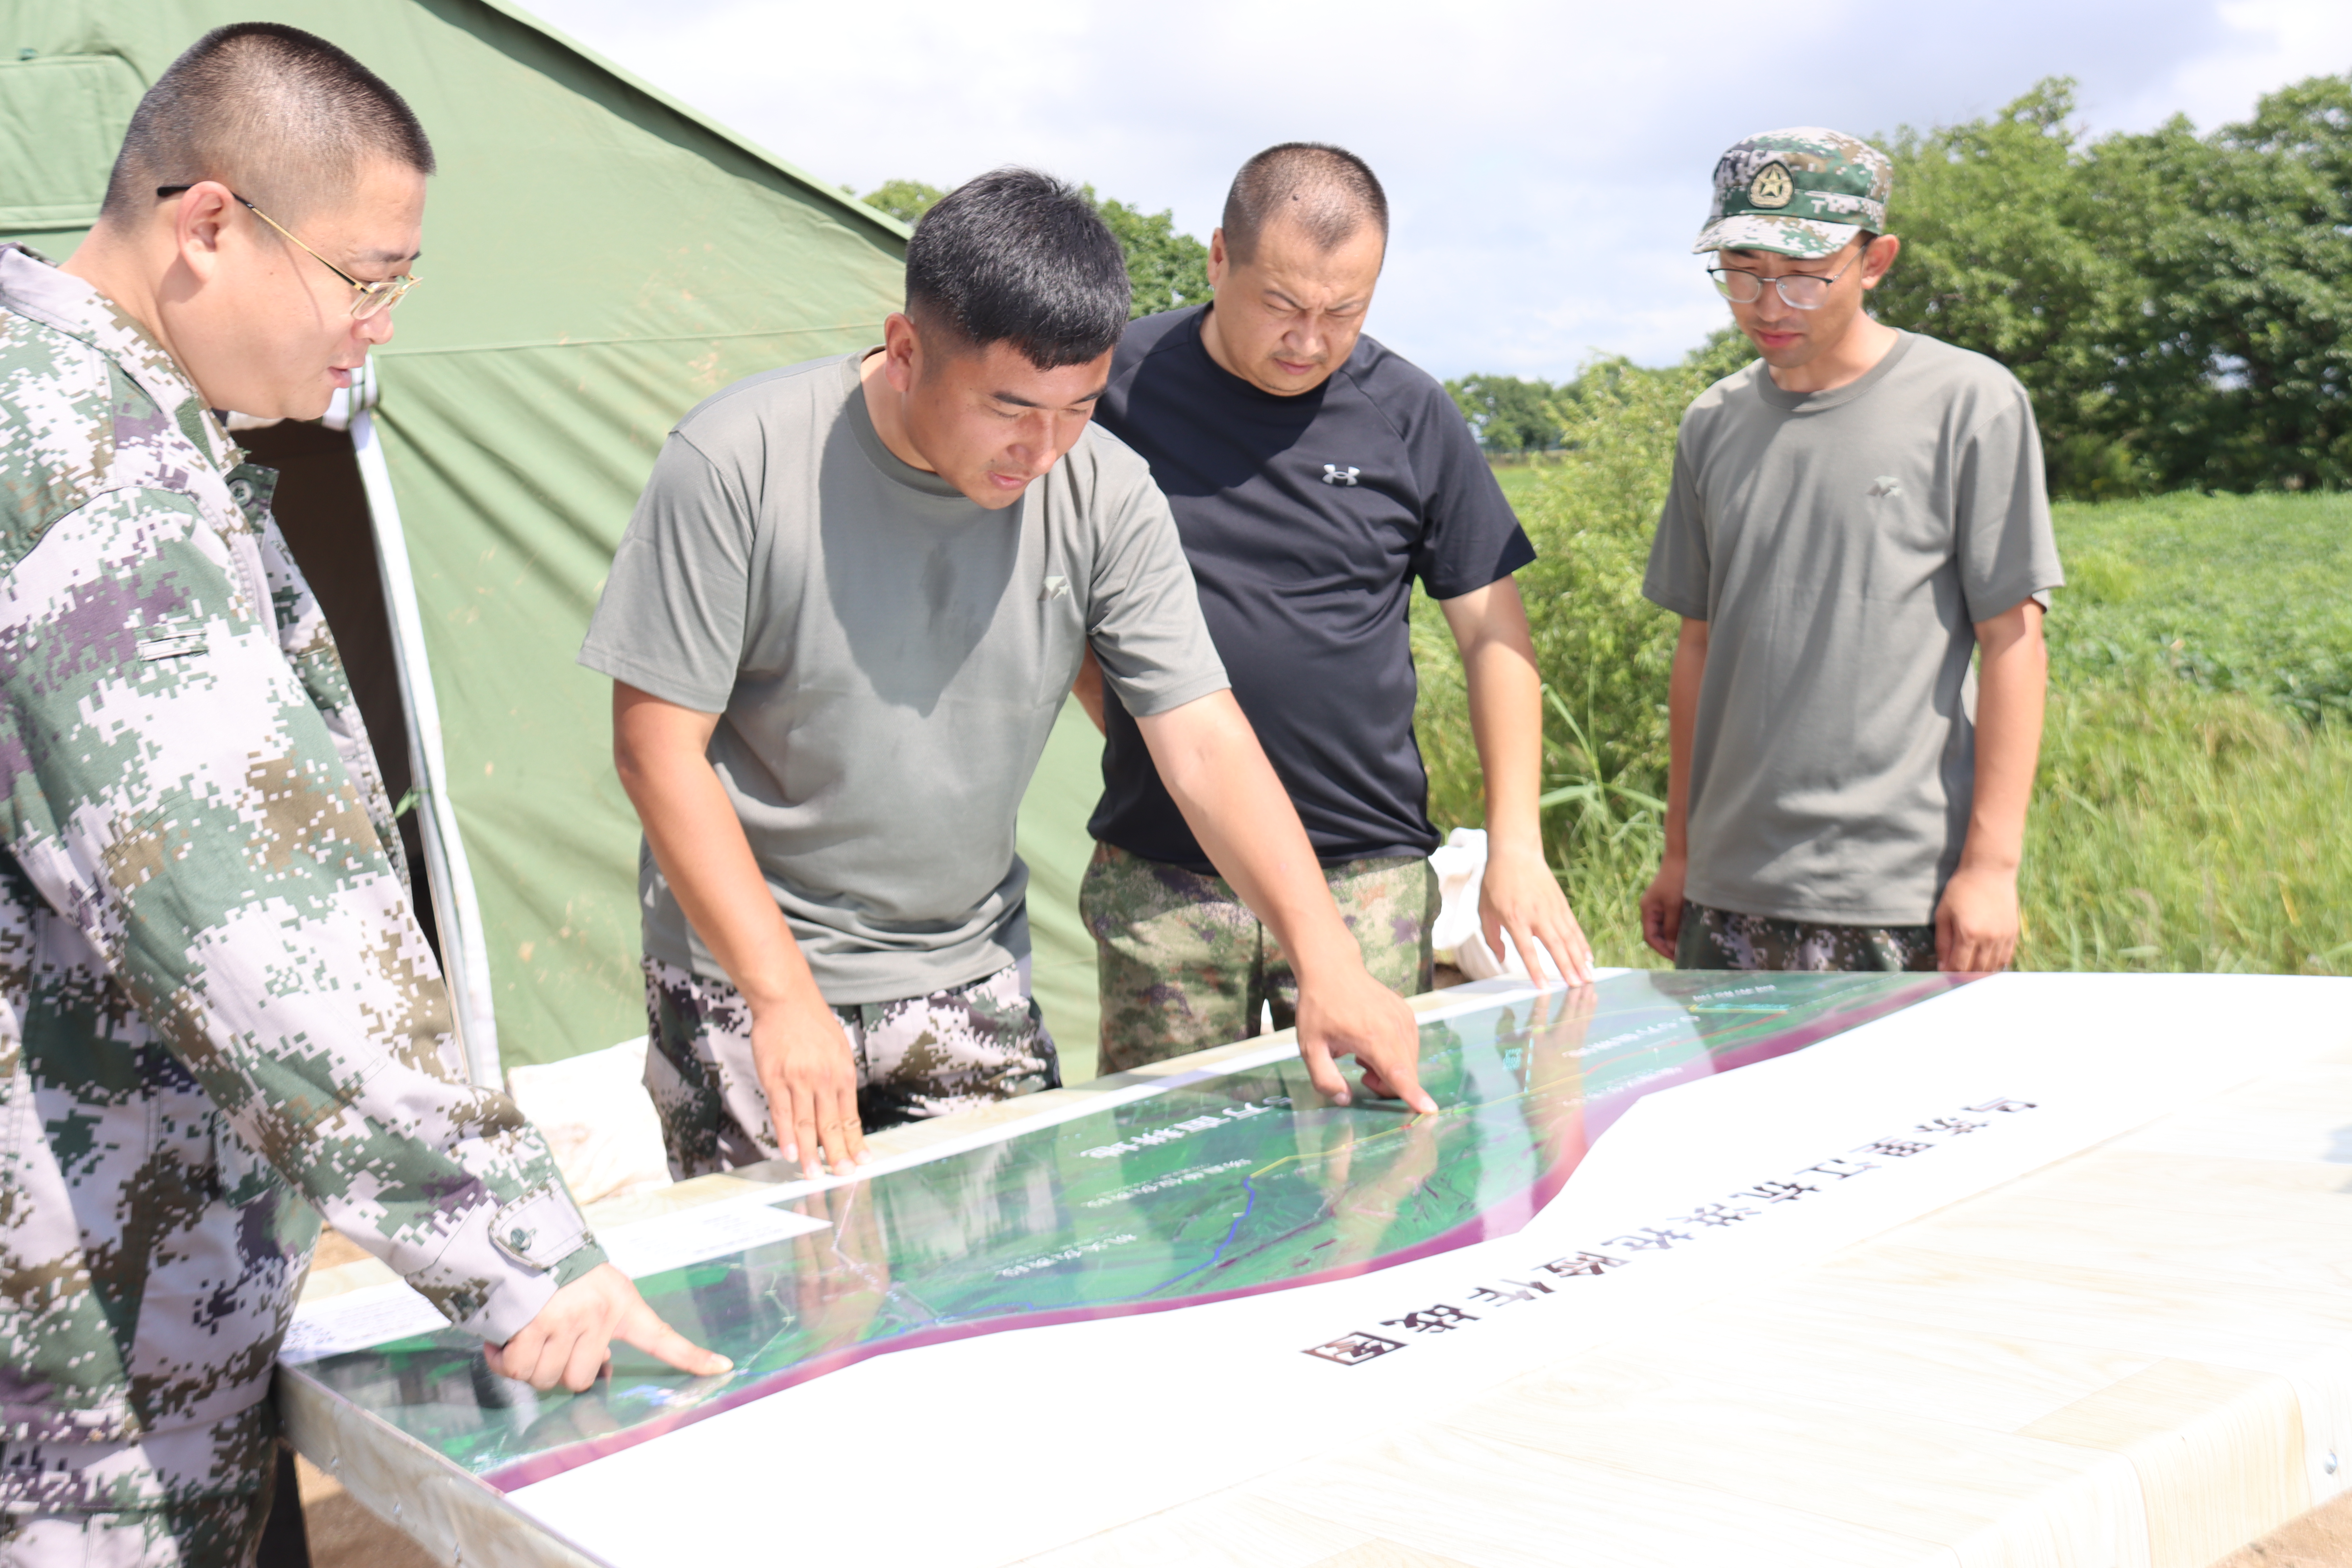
{"x":2272,"y":42}
{"x":1548,"y":163}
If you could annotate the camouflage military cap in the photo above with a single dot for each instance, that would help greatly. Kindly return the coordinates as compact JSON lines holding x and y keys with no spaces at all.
{"x":1801,"y":192}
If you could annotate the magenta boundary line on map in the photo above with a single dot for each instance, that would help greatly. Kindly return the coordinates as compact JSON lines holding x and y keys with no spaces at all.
{"x":1504,"y":1218}
{"x":1795,"y":1039}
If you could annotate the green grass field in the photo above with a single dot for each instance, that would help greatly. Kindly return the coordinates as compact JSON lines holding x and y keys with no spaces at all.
{"x":2192,"y":806}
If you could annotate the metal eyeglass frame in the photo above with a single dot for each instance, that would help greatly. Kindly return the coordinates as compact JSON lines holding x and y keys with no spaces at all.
{"x":1722,"y":277}
{"x":374,"y":299}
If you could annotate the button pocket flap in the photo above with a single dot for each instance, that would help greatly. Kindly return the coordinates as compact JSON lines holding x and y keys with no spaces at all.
{"x":172,"y":639}
{"x":540,"y":1229}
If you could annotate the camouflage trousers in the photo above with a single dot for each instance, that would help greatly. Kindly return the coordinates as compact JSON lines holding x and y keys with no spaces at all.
{"x":204,"y":1533}
{"x":1181,"y":964}
{"x":185,"y":1496}
{"x":922,"y":1057}
{"x":1720,"y":939}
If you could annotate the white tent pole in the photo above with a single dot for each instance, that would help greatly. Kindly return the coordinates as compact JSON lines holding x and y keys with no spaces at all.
{"x":465,"y":955}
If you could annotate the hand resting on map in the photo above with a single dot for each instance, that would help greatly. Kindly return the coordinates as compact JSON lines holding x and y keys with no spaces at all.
{"x":571,"y":1339}
{"x":811,"y":1081}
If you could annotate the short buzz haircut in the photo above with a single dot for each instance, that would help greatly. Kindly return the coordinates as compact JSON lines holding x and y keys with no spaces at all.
{"x":1016,"y":256}
{"x":273,"y":113}
{"x":1327,"y":191}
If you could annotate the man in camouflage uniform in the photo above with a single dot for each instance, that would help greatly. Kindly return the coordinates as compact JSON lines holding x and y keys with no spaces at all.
{"x":219,"y":1020}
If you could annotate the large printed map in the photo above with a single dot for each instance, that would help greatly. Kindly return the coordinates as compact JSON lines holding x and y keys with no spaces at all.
{"x":1236,"y":1183}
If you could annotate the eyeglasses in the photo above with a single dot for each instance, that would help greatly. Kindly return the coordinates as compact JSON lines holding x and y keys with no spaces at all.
{"x":374,"y":298}
{"x":1802,"y":291}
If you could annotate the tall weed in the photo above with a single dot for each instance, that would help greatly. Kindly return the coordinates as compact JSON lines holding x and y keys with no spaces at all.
{"x":1603,"y":650}
{"x":2195,"y":796}
{"x":2174,"y":828}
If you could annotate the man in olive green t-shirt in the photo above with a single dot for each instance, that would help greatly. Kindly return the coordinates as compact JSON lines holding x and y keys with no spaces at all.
{"x":1855,"y":517}
{"x":839,"y":628}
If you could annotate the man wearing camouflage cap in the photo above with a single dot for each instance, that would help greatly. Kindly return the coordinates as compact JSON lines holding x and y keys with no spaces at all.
{"x":218,"y":1018}
{"x":1852,"y":518}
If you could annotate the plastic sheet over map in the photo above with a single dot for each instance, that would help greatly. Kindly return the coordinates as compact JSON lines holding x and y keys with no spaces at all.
{"x":1228,"y":1185}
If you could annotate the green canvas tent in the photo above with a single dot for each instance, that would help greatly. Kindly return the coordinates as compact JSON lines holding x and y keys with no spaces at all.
{"x":598,"y":258}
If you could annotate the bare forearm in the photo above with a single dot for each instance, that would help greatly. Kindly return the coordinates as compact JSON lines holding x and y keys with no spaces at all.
{"x":1089,"y":689}
{"x":1682,"y":731}
{"x":1521,"y":903}
{"x":2012,"y":681}
{"x":1506,"y":701}
{"x":698,"y":843}
{"x":1219,"y":777}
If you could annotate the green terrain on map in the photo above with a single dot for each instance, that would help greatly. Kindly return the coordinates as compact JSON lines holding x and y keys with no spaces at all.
{"x":1239,"y":1182}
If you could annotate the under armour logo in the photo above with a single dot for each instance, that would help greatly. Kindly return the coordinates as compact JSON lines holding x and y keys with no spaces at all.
{"x":1886,"y":485}
{"x":1333,"y":474}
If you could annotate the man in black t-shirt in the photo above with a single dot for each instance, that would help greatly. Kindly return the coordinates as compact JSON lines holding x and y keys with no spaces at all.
{"x":1314,"y":476}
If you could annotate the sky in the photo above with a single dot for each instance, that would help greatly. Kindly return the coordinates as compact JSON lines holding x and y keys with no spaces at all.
{"x":1547,"y":165}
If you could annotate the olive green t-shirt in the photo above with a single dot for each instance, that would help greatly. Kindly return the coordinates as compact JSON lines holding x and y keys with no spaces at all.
{"x":887,"y":659}
{"x":1842,"y":546}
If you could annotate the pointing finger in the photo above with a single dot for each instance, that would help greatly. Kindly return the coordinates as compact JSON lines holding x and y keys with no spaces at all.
{"x":1398,"y":1061}
{"x":647,"y":1331}
{"x":1404,"y":1082}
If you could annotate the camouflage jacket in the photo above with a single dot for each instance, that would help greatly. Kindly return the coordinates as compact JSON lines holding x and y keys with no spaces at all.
{"x":218,"y":1018}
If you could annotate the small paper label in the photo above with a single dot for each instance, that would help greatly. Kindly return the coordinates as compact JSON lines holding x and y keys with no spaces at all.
{"x":374,"y":1315}
{"x":673,"y":1241}
{"x":378,"y":1314}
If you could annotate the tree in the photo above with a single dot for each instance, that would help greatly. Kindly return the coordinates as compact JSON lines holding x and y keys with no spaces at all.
{"x":2006,"y":251}
{"x":2180,"y":306}
{"x":1510,"y":414}
{"x":1165,"y":267}
{"x":2241,"y":369}
{"x":906,"y":200}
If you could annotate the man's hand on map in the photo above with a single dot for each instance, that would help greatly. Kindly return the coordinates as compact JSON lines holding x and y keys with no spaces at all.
{"x":1218,"y":775}
{"x":1519,"y":894}
{"x":571,"y":1339}
{"x":1351,"y":1014}
{"x":811,"y":1082}
{"x":662,"y":753}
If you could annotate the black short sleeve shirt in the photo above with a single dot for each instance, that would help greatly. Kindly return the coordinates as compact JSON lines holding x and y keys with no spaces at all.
{"x":1306,"y":521}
